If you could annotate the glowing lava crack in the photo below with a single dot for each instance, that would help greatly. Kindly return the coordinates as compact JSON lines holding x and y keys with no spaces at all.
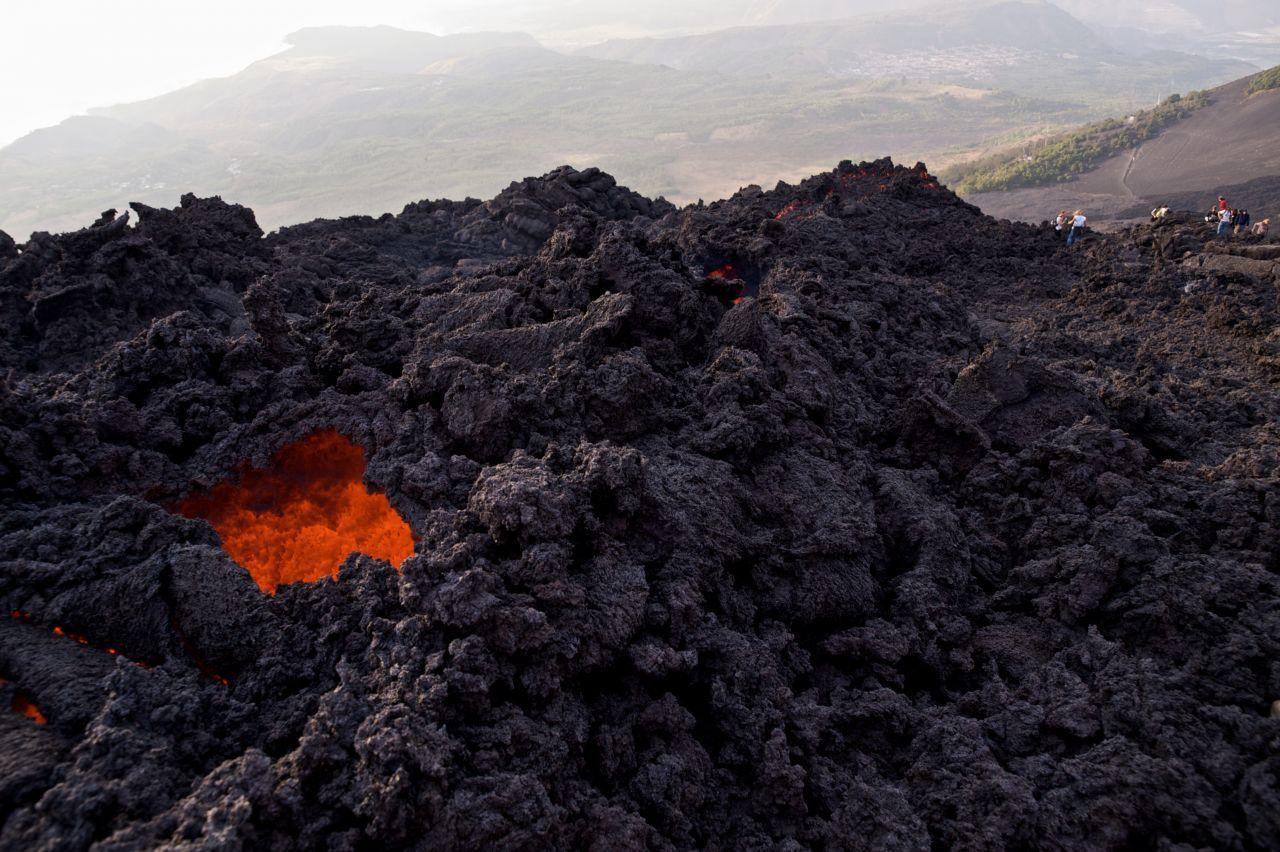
{"x":299,"y":520}
{"x":23,"y":706}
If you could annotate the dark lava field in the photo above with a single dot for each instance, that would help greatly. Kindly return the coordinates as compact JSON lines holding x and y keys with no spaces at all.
{"x":833,"y":517}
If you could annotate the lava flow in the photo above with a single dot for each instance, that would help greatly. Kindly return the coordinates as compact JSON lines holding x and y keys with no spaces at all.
{"x":791,"y":207}
{"x":299,"y":520}
{"x":25,"y":707}
{"x":728,"y":273}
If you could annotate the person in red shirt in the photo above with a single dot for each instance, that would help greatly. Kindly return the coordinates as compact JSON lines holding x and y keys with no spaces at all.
{"x":1222,"y":203}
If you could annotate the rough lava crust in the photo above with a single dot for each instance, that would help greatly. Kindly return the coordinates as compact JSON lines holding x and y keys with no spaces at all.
{"x":942,"y":537}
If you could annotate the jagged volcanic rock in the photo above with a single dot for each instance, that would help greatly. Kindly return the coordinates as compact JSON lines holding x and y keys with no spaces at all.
{"x":916,"y":531}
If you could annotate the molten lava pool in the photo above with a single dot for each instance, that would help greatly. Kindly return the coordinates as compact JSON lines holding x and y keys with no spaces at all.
{"x":299,"y":520}
{"x":24,"y":707}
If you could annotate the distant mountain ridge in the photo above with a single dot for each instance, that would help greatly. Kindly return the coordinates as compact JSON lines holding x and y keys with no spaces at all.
{"x":669,"y":16}
{"x":1029,"y":46}
{"x":1169,"y":15}
{"x":374,"y":43}
{"x":351,"y":120}
{"x":1033,"y":26}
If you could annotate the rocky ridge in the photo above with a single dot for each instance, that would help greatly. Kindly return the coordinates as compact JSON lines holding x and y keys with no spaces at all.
{"x":907,"y":528}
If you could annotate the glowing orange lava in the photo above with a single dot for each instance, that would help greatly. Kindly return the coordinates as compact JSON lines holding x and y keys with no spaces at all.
{"x":299,"y":520}
{"x":727,"y":273}
{"x":788,"y":210}
{"x":21,"y":615}
{"x":23,"y":705}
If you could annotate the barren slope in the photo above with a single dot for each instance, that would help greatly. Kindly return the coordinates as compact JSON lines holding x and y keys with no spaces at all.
{"x":1227,"y":144}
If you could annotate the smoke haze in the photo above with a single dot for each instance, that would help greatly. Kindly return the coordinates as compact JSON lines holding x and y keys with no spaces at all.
{"x":72,"y":55}
{"x":331,"y":108}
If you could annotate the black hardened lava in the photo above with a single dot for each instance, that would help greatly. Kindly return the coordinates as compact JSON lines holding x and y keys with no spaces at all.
{"x":916,"y":531}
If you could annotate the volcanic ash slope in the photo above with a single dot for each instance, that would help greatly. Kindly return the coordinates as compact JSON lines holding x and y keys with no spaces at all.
{"x":838,"y":516}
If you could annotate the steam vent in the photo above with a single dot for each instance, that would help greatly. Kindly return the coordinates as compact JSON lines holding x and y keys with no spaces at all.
{"x":299,"y":520}
{"x":831,"y":516}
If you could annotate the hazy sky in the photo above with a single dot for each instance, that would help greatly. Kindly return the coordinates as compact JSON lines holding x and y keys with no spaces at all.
{"x":61,"y":57}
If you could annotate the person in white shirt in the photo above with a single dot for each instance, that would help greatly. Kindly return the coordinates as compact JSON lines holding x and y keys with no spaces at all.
{"x":1077,"y":227}
{"x":1224,"y":222}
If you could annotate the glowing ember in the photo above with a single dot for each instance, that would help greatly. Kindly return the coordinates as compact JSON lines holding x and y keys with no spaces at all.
{"x":862,"y":172}
{"x":788,"y":210}
{"x":801,"y":211}
{"x":298,"y":521}
{"x":23,"y":705}
{"x":76,"y":637}
{"x":728,"y":273}
{"x":22,"y":615}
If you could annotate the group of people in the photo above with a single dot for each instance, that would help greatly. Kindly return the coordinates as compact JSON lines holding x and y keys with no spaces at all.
{"x":1228,"y":220}
{"x":1073,"y":225}
{"x":1235,"y":220}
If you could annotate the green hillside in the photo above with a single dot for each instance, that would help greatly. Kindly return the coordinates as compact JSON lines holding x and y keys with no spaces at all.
{"x":1062,"y":157}
{"x":1265,"y":82}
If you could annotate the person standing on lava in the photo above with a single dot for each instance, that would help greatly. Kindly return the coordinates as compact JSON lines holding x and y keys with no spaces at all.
{"x":1077,"y":227}
{"x":1060,"y":221}
{"x":1224,"y":222}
